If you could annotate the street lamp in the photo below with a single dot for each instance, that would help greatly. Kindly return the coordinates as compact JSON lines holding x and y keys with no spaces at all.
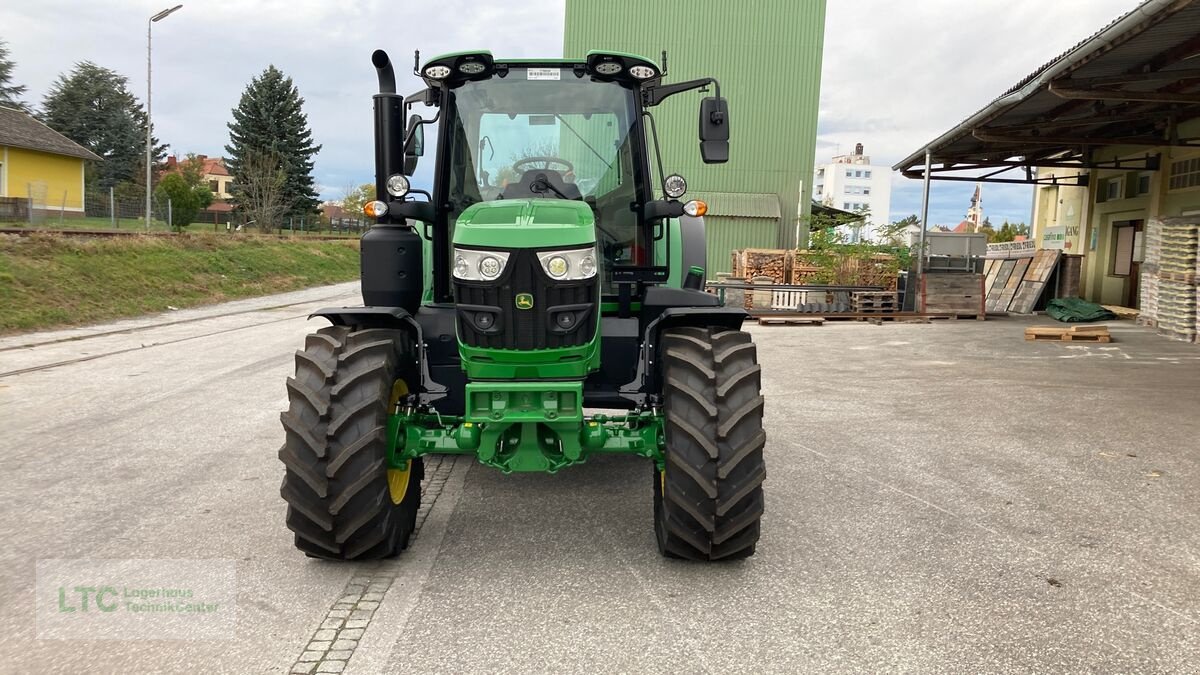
{"x":149,"y":142}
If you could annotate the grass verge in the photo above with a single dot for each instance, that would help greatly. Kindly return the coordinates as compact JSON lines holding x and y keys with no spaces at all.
{"x":51,"y":281}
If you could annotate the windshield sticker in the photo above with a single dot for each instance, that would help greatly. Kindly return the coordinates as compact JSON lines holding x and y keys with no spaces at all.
{"x":544,"y":73}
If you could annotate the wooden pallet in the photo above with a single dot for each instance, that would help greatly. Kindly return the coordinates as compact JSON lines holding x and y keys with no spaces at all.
{"x":791,"y":321}
{"x":1068,"y":334}
{"x":874,"y":318}
{"x":1122,"y":312}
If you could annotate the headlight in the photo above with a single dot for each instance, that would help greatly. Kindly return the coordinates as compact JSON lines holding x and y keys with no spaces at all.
{"x":569,"y":265}
{"x":472,"y":265}
{"x":397,"y":185}
{"x":674,"y":185}
{"x":437,"y":72}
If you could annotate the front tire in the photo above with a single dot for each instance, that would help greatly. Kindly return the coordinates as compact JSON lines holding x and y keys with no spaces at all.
{"x":344,"y":503}
{"x":709,"y":500}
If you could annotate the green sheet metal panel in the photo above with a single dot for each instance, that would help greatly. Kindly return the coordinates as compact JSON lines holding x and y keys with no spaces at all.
{"x":725,"y":234}
{"x":767,"y":56}
{"x":746,"y":204}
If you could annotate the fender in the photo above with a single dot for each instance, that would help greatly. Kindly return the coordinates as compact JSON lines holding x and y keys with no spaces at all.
{"x":645,"y":387}
{"x":396,"y":318}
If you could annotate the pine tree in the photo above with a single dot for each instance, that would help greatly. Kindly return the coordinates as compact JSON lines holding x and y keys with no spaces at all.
{"x":93,"y":106}
{"x":10,"y":94}
{"x":269,"y":124}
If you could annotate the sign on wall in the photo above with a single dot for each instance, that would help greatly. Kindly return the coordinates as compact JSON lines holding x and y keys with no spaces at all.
{"x":1054,"y":238}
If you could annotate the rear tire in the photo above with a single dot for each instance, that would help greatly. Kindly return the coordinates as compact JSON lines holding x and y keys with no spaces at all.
{"x":336,"y":482}
{"x":709,"y":501}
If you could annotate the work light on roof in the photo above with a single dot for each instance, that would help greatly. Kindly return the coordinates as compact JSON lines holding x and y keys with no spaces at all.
{"x":608,"y":68}
{"x":437,"y":72}
{"x":641,"y":72}
{"x":471,"y":67}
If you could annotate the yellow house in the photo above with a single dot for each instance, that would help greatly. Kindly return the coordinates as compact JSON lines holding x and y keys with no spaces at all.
{"x":40,"y":169}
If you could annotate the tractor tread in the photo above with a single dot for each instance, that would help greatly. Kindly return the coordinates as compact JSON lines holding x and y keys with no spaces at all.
{"x":291,"y":423}
{"x":697,"y":398}
{"x":335,"y":450}
{"x":709,"y":503}
{"x":348,"y":452}
{"x":735,"y":418}
{"x":314,"y":399}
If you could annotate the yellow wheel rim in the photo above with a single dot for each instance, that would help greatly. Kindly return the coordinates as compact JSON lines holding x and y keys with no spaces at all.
{"x":398,"y":482}
{"x":398,"y":478}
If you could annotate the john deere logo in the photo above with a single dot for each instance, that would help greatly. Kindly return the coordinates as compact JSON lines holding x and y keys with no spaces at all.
{"x":524,"y":301}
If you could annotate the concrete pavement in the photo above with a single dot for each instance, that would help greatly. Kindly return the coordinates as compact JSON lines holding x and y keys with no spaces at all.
{"x":942,"y":497}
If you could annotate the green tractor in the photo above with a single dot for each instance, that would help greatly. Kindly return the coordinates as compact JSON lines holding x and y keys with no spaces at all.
{"x":541,"y":306}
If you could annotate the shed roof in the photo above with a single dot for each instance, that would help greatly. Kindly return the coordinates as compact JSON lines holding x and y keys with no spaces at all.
{"x":20,"y":130}
{"x":743,"y":204}
{"x":1128,"y":84}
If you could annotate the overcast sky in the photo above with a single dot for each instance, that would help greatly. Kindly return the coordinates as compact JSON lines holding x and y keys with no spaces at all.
{"x":896,"y":74}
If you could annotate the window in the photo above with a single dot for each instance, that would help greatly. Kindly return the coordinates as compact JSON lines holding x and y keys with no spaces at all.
{"x":866,"y":191}
{"x":849,"y":173}
{"x":845,"y":206}
{"x":214,"y":187}
{"x":858,"y":174}
{"x":867,"y":174}
{"x":1111,"y":189}
{"x":1143,"y":184}
{"x":1184,"y":174}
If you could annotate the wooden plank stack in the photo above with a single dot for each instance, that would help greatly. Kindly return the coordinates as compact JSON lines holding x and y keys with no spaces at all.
{"x":875,"y":302}
{"x":763,"y":262}
{"x":958,"y":294}
{"x":1079,"y":333}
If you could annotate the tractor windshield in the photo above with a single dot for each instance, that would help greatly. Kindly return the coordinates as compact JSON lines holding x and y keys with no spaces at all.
{"x":545,"y":133}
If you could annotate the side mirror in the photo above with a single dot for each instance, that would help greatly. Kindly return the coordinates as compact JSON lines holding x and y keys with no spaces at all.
{"x":414,"y":143}
{"x":714,"y":130}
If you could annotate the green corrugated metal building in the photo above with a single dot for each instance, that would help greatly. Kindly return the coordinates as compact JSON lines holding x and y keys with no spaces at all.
{"x":767,"y":56}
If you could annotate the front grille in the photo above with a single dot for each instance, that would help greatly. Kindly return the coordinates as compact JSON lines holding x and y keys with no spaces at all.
{"x":525,"y":328}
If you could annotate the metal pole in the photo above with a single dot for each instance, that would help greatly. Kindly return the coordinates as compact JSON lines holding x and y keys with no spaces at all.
{"x":149,"y":140}
{"x":157,"y":17}
{"x":924,"y":227}
{"x":170,"y":218}
{"x":112,"y":212}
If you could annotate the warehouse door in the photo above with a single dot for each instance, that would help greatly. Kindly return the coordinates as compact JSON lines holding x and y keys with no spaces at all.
{"x":1127,"y":257}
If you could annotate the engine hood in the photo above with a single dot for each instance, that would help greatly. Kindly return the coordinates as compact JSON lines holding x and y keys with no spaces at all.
{"x":526,"y":223}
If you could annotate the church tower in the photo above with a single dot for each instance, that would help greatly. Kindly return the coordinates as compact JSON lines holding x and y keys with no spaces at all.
{"x":975,"y":213}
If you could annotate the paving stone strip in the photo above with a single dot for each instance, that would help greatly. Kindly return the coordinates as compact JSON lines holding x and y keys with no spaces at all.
{"x":331,"y":646}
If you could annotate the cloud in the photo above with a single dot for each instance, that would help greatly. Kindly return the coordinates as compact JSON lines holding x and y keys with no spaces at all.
{"x":898,"y":74}
{"x":205,"y":54}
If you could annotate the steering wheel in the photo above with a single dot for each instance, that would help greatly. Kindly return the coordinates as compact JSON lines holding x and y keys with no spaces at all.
{"x":544,"y":160}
